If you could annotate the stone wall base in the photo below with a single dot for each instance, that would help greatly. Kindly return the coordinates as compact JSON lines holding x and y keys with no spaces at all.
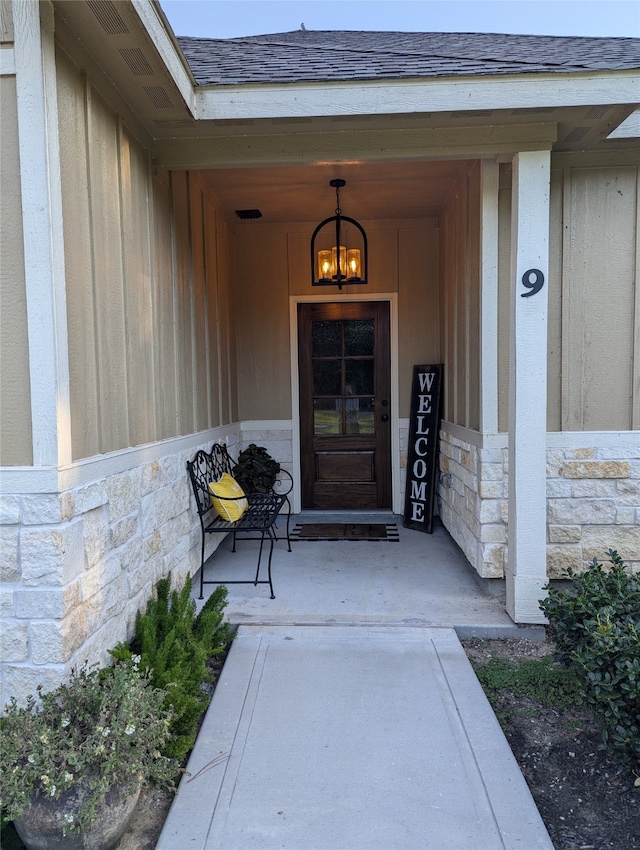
{"x":593,"y":502}
{"x":77,"y":565}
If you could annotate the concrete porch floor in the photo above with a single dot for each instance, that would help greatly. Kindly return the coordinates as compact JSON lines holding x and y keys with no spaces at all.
{"x":423,"y":580}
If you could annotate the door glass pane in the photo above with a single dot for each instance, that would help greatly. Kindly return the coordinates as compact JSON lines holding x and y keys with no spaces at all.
{"x":359,"y":418}
{"x":358,"y":338}
{"x":327,"y":416}
{"x":358,"y":377}
{"x":327,"y":377}
{"x":327,"y":339}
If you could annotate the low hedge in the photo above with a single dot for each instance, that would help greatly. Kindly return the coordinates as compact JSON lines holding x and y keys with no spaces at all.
{"x":595,"y":625}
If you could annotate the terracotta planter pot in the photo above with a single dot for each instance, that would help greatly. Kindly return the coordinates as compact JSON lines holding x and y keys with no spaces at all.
{"x":41,"y":825}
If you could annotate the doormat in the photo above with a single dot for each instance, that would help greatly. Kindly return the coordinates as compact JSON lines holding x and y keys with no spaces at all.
{"x":371,"y":532}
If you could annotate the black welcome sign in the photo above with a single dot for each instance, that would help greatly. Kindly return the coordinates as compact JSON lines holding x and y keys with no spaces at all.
{"x":422,"y":454}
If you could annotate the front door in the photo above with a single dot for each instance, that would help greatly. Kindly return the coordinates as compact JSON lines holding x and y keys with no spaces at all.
{"x":345,"y":411}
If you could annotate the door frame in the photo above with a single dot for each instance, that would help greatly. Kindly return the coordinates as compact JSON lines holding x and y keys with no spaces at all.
{"x":392,"y":299}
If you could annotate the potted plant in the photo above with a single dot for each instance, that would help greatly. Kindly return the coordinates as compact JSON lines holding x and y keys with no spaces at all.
{"x":256,"y":471}
{"x":73,"y":760}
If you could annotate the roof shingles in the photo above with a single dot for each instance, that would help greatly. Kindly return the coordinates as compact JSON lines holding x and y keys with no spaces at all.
{"x":321,"y":56}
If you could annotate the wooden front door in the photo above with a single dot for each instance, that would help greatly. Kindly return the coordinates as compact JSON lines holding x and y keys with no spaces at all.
{"x":345,"y":411}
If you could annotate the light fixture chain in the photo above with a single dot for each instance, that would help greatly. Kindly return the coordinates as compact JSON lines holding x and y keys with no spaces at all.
{"x":338,"y":210}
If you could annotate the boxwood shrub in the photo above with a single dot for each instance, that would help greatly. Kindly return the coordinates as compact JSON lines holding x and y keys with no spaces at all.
{"x":595,"y":625}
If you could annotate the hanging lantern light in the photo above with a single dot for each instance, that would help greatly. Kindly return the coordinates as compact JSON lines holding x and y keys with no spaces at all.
{"x":338,"y":252}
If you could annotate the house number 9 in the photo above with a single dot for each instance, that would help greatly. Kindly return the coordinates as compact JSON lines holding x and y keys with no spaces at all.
{"x":533,"y":280}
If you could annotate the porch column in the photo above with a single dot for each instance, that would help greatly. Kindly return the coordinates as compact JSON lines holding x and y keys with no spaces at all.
{"x":526,"y":564}
{"x":43,"y":239}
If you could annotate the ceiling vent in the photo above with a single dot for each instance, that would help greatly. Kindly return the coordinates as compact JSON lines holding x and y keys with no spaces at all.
{"x":108,"y":16}
{"x":136,"y":60}
{"x":248,"y":214}
{"x":577,"y":134}
{"x":158,"y":97}
{"x":597,"y":112}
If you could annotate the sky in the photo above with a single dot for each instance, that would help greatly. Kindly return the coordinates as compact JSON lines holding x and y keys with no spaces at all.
{"x":235,"y":18}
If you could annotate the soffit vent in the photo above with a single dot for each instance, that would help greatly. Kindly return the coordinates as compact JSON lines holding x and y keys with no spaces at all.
{"x":158,"y":97}
{"x":597,"y":112}
{"x":577,"y":134}
{"x":473,"y":113}
{"x":532,"y":110}
{"x":108,"y":17}
{"x":291,"y":120}
{"x":404,"y":116}
{"x":337,"y":119}
{"x":178,"y":122}
{"x":248,"y":214}
{"x":135,"y":59}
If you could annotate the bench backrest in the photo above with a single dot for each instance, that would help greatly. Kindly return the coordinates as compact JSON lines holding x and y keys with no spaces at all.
{"x":205,"y":468}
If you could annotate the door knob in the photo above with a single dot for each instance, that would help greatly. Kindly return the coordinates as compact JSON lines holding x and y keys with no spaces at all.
{"x":384,"y":417}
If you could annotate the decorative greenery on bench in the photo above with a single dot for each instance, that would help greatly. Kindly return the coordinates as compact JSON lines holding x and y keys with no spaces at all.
{"x":256,"y":471}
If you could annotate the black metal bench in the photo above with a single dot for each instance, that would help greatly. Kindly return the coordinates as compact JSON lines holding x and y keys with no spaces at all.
{"x":257,"y":522}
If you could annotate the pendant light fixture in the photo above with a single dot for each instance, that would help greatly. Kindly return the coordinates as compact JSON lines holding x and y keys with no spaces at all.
{"x":338,"y":249}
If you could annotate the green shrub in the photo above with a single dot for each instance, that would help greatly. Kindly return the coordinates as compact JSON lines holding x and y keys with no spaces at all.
{"x":595,"y":625}
{"x":175,"y":645}
{"x":256,"y":471}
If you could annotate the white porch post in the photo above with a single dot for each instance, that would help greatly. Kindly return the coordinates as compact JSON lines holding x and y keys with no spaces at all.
{"x":42,"y":230}
{"x":526,"y":563}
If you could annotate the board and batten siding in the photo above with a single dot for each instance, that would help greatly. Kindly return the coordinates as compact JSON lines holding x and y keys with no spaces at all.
{"x":460,"y":299}
{"x":15,"y":396}
{"x":594,"y":312}
{"x":151,"y":350}
{"x":273,"y":264}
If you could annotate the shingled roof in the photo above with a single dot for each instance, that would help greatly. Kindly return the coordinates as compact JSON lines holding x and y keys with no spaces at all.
{"x":317,"y":56}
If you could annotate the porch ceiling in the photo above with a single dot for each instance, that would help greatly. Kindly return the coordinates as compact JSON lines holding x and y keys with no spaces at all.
{"x":378,"y":191}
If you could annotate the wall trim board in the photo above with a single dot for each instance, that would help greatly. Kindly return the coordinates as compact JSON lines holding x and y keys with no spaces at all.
{"x":7,"y":61}
{"x":555,"y":439}
{"x":29,"y":479}
{"x":36,"y":92}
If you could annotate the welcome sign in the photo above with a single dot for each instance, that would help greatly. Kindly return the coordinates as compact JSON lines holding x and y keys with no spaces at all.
{"x":422,"y":454}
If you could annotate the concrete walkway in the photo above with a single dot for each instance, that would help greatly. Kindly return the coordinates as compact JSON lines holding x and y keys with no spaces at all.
{"x":347,"y":716}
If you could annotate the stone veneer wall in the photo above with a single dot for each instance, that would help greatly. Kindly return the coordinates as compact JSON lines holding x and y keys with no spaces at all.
{"x":77,"y":565}
{"x":593,"y":503}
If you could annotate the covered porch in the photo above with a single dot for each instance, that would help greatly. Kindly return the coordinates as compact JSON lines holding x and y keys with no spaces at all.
{"x":421,"y":580}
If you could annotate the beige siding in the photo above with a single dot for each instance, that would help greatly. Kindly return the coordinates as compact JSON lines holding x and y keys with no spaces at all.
{"x":137,"y":248}
{"x":6,"y":22}
{"x":504,"y":294}
{"x":418,"y":303}
{"x":212,"y":311}
{"x":225,"y":340}
{"x":163,"y":311}
{"x":15,"y":403}
{"x":460,"y":295}
{"x":262,"y":318}
{"x":274,"y":263}
{"x":73,"y":107}
{"x":554,"y":294}
{"x":151,"y":341}
{"x":599,"y":271}
{"x":594,"y":322}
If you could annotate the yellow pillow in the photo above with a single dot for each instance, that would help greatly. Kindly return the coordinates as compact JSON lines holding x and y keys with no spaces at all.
{"x":233,"y":504}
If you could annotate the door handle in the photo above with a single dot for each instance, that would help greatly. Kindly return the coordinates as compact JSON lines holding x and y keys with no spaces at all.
{"x":384,"y":417}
